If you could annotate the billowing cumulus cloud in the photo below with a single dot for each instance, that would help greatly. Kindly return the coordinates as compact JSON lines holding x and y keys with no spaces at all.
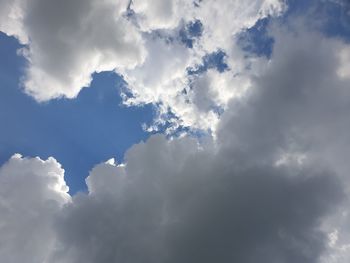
{"x":32,"y":192}
{"x":171,"y":202}
{"x":174,"y":202}
{"x":269,"y":185}
{"x":165,"y":83}
{"x":67,"y":41}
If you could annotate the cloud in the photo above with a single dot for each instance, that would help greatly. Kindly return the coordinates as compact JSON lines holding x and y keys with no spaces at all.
{"x":174,"y":202}
{"x":32,"y":191}
{"x":160,"y":14}
{"x":67,"y":41}
{"x":344,"y":68}
{"x":11,"y":19}
{"x":299,"y":101}
{"x":165,"y":82}
{"x":297,"y":113}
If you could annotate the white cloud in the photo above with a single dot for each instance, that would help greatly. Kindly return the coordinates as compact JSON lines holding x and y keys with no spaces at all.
{"x":11,"y":19}
{"x":165,"y":80}
{"x":223,"y":19}
{"x":161,"y":14}
{"x":344,"y":67}
{"x":32,"y":191}
{"x":67,"y":41}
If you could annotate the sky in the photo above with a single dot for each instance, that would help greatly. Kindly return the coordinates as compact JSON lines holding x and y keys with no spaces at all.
{"x":174,"y":131}
{"x":65,"y":128}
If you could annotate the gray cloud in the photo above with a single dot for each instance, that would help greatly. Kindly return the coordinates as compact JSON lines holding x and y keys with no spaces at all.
{"x":172,"y":202}
{"x":298,"y":103}
{"x":261,"y":191}
{"x":192,"y":208}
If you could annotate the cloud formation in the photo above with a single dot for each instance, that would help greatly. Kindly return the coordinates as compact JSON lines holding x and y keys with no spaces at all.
{"x":32,"y":192}
{"x":271,"y":185}
{"x":66,"y":42}
{"x":173,"y":202}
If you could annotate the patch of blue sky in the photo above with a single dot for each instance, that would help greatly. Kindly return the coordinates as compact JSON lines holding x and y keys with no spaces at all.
{"x":331,"y":16}
{"x":215,"y":60}
{"x":256,"y":40}
{"x":337,"y":23}
{"x":190,"y":32}
{"x":197,"y":3}
{"x":79,"y":133}
{"x":170,"y":126}
{"x":186,"y":34}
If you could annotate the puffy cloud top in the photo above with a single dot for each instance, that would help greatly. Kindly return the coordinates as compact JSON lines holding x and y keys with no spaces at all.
{"x":32,"y":192}
{"x":67,"y":41}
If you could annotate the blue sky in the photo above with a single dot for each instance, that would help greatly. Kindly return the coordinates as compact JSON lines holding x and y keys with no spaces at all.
{"x":80,"y":133}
